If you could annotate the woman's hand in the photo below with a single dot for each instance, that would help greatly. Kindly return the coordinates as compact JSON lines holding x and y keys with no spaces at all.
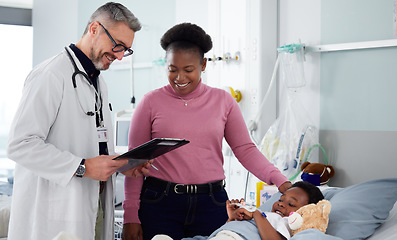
{"x":140,"y":170}
{"x":132,"y":231}
{"x":285,"y":186}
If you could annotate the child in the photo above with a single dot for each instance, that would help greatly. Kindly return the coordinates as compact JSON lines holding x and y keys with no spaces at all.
{"x":274,"y":224}
{"x":264,"y":225}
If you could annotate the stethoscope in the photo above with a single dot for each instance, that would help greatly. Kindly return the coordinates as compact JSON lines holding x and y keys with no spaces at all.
{"x":98,"y":99}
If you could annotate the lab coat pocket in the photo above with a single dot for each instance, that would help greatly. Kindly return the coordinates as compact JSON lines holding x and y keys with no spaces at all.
{"x":77,"y":200}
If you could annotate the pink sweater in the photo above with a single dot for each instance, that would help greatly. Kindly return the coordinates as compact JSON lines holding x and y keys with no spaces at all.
{"x":211,"y":114}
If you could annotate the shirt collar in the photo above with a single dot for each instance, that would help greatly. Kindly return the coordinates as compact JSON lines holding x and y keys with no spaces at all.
{"x":87,"y":64}
{"x":199,"y":90}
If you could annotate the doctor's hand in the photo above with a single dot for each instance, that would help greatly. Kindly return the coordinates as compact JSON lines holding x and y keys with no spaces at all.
{"x":140,"y":170}
{"x":102,"y":167}
{"x":132,"y":231}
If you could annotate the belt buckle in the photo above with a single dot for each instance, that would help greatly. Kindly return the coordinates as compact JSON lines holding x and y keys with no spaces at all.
{"x":189,"y":188}
{"x":176,"y":188}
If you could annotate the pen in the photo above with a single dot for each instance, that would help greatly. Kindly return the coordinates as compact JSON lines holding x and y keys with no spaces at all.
{"x":154,"y":167}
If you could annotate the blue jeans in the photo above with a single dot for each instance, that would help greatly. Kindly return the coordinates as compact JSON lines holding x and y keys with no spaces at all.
{"x":162,"y":211}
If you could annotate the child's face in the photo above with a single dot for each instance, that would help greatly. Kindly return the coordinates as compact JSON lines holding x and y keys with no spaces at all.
{"x":290,"y":201}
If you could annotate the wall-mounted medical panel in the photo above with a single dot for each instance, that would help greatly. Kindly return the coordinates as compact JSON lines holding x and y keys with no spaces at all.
{"x":244,"y":34}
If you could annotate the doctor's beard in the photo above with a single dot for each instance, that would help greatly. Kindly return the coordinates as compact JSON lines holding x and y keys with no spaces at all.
{"x":98,"y":64}
{"x":97,"y":61}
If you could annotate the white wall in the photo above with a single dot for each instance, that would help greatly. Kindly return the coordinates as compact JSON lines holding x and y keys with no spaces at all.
{"x":55,"y":25}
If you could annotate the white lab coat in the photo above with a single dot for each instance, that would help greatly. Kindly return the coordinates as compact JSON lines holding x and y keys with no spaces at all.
{"x":49,"y":137}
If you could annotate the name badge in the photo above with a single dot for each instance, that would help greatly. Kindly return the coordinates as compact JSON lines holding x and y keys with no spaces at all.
{"x":102,"y":134}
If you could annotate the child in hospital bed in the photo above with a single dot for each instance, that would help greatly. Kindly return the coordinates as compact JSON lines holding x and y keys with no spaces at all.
{"x":243,"y":223}
{"x":274,"y":224}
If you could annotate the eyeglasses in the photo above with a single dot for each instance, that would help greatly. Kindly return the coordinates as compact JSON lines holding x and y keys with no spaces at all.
{"x":118,"y":47}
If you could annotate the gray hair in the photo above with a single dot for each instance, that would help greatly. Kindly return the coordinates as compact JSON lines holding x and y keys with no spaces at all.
{"x":111,"y":13}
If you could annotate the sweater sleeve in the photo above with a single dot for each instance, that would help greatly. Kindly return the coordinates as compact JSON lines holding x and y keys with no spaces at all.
{"x":237,"y":136}
{"x":139,"y":133}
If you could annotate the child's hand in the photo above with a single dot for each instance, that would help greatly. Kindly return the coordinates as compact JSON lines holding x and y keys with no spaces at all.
{"x":245,"y":214}
{"x":236,"y":212}
{"x":231,"y":209}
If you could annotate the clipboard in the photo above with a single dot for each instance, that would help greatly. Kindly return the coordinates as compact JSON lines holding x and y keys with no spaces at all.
{"x":148,"y":151}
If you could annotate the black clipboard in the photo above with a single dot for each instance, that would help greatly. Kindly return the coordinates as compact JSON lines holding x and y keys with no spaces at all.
{"x":148,"y":151}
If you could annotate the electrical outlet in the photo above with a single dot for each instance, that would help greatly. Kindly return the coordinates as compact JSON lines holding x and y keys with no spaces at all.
{"x":254,"y":101}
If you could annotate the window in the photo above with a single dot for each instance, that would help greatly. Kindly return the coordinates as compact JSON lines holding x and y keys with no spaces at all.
{"x":16,"y":47}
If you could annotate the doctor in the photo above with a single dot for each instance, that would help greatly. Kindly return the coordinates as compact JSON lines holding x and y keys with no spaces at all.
{"x":62,"y":136}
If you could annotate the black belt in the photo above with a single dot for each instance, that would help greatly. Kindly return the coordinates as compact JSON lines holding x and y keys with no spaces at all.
{"x":186,"y":189}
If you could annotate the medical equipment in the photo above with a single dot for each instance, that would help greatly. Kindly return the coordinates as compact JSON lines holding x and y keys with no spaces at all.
{"x":288,"y":139}
{"x":122,"y":121}
{"x":98,"y":99}
{"x":118,"y":224}
{"x":236,"y":94}
{"x":292,"y":57}
{"x":253,"y":124}
{"x":299,"y":82}
{"x":286,"y":142}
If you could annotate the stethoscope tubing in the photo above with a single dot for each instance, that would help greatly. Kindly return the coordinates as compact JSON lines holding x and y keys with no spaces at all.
{"x":76,"y":72}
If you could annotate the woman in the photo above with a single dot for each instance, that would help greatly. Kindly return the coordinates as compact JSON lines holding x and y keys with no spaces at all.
{"x":186,"y":196}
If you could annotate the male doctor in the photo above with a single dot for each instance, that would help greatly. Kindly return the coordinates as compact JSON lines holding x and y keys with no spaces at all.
{"x":62,"y":136}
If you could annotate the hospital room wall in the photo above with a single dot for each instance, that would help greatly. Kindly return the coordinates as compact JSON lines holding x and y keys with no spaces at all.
{"x":358,"y":100}
{"x":300,"y":22}
{"x":349,"y":94}
{"x":54,"y":29}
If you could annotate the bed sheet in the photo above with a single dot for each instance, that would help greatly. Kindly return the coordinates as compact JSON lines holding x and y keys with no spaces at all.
{"x":388,"y":230}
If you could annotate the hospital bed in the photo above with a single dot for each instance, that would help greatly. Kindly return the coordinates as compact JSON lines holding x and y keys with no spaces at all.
{"x":5,"y":205}
{"x":363,"y":211}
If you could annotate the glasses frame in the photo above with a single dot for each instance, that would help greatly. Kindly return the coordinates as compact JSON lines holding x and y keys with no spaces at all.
{"x":127,"y":51}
